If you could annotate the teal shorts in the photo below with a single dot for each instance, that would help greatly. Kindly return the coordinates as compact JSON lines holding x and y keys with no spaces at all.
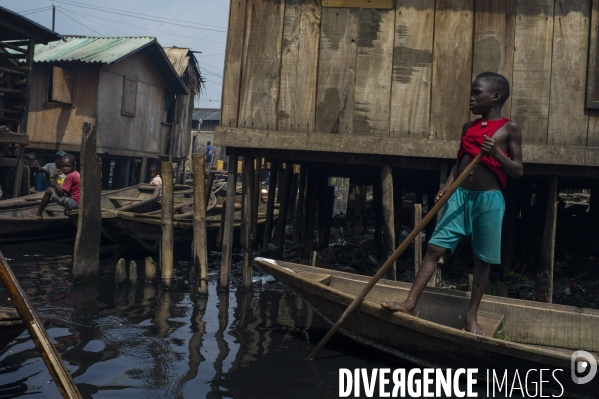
{"x":477,"y":214}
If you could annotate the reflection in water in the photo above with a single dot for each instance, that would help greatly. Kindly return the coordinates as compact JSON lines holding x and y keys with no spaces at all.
{"x":143,"y":341}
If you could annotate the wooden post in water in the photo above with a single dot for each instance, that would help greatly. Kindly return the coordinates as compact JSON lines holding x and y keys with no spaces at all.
{"x":257,"y":197}
{"x":285,"y":188}
{"x":221,"y":227}
{"x":270,"y":205}
{"x":388,"y":219}
{"x":248,"y":218}
{"x":544,"y":286}
{"x":40,"y":337}
{"x":418,"y":238}
{"x":299,"y":206}
{"x":200,"y":251}
{"x":166,"y":249}
{"x":86,"y":254}
{"x":150,"y":273}
{"x":209,"y":185}
{"x":227,"y":257}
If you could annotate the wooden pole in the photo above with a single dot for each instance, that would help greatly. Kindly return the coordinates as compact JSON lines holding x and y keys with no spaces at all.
{"x":418,"y":239}
{"x":86,"y":253}
{"x":285,"y":188}
{"x":40,"y":337}
{"x":247,"y":222}
{"x":209,"y":185}
{"x":324,"y":236}
{"x":270,"y":205}
{"x":143,"y":169}
{"x":257,"y":197}
{"x":429,"y":216}
{"x":221,"y":227}
{"x":299,"y":206}
{"x":544,"y":286}
{"x":200,"y":258}
{"x":227,"y":257}
{"x":388,"y":219}
{"x":166,"y":249}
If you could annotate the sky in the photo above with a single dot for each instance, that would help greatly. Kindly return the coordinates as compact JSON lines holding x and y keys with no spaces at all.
{"x":197,"y":24}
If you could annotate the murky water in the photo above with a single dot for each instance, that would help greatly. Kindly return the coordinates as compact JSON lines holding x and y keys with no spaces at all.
{"x":141,"y":341}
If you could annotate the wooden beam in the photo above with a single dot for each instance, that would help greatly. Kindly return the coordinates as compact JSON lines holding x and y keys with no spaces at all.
{"x":418,"y":240}
{"x":167,"y":224}
{"x":383,"y":4}
{"x":393,"y":146}
{"x":285,"y":188}
{"x":247,"y":219}
{"x":200,"y":247}
{"x":227,"y":257}
{"x":19,"y":171}
{"x":270,"y":205}
{"x":13,"y":47}
{"x":86,"y":253}
{"x":544,"y":283}
{"x":388,"y":220}
{"x":299,"y":206}
{"x":6,"y":136}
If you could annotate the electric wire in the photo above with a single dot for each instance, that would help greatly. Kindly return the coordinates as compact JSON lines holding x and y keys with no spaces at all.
{"x":142,"y":27}
{"x":105,"y":9}
{"x":147,"y":19}
{"x":80,"y":23}
{"x":81,"y":16}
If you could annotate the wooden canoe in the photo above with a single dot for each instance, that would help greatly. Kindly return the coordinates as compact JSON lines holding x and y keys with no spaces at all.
{"x":522,"y":335}
{"x":16,"y":226}
{"x":139,"y":233}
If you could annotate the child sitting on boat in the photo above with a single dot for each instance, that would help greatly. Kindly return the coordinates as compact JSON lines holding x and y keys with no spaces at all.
{"x":156,"y":180}
{"x":476,"y":208}
{"x":68,"y":194}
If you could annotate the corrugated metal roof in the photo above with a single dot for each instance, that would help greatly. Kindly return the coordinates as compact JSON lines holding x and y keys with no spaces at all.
{"x":206,"y":114}
{"x":178,"y":57}
{"x":105,"y":50}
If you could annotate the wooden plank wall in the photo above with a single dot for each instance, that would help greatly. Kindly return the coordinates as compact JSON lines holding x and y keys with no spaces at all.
{"x":406,"y":72}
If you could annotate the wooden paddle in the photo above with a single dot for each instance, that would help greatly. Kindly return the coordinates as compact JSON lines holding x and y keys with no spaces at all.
{"x":402,"y":247}
{"x":40,"y":337}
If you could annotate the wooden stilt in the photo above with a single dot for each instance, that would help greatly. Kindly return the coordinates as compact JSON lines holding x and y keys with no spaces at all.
{"x":314,"y":181}
{"x":227,"y":257}
{"x":299,"y":206}
{"x":221,"y":228}
{"x":388,"y":219}
{"x":397,"y":206}
{"x":150,"y":272}
{"x":544,"y":286}
{"x":306,"y":203}
{"x":166,"y":247}
{"x":86,"y":254}
{"x":350,"y":212}
{"x":324,"y":235}
{"x":257,"y":197}
{"x":247,"y":220}
{"x":284,"y":188}
{"x":19,"y":172}
{"x":270,"y":205}
{"x":209,"y":185}
{"x":360,"y":203}
{"x":377,"y":203}
{"x":200,"y":247}
{"x":418,"y":239}
{"x":508,"y":239}
{"x":293,"y":190}
{"x":142,"y":170}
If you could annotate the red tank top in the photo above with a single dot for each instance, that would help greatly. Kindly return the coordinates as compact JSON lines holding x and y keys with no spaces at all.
{"x":473,"y":139}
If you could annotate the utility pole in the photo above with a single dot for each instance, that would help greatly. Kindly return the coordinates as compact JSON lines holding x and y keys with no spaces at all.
{"x":53,"y":17}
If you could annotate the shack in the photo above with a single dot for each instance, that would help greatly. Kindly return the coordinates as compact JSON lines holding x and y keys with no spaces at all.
{"x":349,"y":88}
{"x":186,"y":66}
{"x":18,"y":36}
{"x":124,"y":86}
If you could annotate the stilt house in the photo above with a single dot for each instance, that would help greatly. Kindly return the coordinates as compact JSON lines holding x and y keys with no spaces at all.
{"x":350,"y":87}
{"x":125,"y":86}
{"x":18,"y":36}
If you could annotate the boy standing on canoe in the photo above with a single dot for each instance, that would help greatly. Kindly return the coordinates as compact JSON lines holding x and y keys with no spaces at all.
{"x":476,"y":208}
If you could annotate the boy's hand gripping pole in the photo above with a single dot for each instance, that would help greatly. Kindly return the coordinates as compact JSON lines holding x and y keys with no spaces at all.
{"x":402,"y":247}
{"x":40,"y":337}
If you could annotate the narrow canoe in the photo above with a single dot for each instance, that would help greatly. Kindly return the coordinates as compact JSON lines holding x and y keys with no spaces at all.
{"x":11,"y":325}
{"x":16,"y":226}
{"x":522,"y":335}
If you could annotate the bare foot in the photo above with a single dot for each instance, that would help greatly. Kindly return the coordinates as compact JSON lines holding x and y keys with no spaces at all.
{"x":398,"y":307}
{"x":35,"y":216}
{"x":473,"y":327}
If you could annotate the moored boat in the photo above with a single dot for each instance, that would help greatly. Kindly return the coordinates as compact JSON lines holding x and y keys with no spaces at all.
{"x":16,"y":226}
{"x":521,"y":335}
{"x":11,"y":325}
